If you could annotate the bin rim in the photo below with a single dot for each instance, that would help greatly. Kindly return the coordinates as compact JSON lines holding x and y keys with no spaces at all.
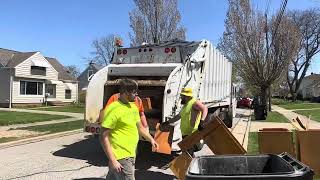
{"x":293,"y":173}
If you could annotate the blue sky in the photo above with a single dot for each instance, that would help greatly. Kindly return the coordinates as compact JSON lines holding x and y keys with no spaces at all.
{"x":65,"y":28}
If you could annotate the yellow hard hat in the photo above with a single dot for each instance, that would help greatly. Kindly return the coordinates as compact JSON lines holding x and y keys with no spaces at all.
{"x":187,"y":92}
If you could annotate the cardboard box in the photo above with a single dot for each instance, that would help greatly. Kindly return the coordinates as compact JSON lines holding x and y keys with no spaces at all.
{"x":276,"y":141}
{"x":308,"y":144}
{"x":217,"y":136}
{"x":180,"y":165}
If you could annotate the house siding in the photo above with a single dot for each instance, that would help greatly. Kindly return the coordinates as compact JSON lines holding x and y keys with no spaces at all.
{"x":83,"y":78}
{"x":17,"y":98}
{"x":60,"y":93}
{"x":24,"y":69}
{"x":5,"y":85}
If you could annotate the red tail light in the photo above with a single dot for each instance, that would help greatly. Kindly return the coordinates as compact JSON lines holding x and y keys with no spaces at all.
{"x":173,"y":50}
{"x":124,"y":51}
{"x":167,"y":50}
{"x":93,"y":129}
{"x":119,"y":51}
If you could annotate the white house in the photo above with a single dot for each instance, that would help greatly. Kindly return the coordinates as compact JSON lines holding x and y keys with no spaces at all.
{"x":29,"y":78}
{"x":310,"y":86}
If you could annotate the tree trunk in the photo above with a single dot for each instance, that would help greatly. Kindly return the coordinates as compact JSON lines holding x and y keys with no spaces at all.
{"x":270,"y":98}
{"x":264,"y":98}
{"x":294,"y":96}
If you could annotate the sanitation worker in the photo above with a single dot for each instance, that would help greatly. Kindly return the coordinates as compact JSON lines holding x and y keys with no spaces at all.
{"x":138,"y":103}
{"x":120,"y":133}
{"x":192,"y":115}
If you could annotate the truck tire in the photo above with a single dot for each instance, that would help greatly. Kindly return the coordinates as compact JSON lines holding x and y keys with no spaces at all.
{"x":228,"y":117}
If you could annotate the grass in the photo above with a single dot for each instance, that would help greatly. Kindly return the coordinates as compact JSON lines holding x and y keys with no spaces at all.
{"x":68,"y":108}
{"x":273,"y":117}
{"x":315,"y":114}
{"x":10,"y":117}
{"x":253,"y":146}
{"x":295,"y":105}
{"x":55,"y":128}
{"x":7,"y":139}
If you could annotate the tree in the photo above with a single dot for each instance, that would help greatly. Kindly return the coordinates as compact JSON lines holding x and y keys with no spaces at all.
{"x":259,"y":47}
{"x":73,"y":70}
{"x":308,"y":22}
{"x":154,"y":21}
{"x":103,"y":49}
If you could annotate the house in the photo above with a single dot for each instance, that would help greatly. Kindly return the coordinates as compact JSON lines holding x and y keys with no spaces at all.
{"x":87,"y":74}
{"x":310,"y":86}
{"x":29,"y":78}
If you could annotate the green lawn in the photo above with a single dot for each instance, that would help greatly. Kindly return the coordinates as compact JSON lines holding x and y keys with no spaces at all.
{"x":295,"y":105}
{"x":8,"y":118}
{"x":68,"y":108}
{"x":273,"y":117}
{"x":315,"y":114}
{"x":7,"y":139}
{"x":55,"y":128}
{"x":253,"y":146}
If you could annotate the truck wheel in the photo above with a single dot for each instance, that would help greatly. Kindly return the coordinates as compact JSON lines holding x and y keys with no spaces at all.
{"x":228,"y":117}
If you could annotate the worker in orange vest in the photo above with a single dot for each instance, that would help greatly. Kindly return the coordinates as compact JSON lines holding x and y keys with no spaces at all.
{"x":138,"y":103}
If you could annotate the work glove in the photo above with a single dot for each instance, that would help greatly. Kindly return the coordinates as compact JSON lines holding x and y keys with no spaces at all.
{"x":201,"y":125}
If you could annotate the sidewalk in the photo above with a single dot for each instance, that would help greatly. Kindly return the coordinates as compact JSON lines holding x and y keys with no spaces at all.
{"x":292,"y":115}
{"x":241,"y":129}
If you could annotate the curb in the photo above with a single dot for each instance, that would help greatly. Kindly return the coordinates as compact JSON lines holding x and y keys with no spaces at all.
{"x":39,"y":138}
{"x":246,"y":138}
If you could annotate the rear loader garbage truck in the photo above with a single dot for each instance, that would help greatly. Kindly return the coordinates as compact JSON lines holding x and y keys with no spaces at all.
{"x":162,"y":71}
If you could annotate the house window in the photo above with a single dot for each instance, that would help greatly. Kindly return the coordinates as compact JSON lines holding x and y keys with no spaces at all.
{"x":31,"y":88}
{"x":68,"y":94}
{"x":51,"y":90}
{"x":90,"y":72}
{"x":37,"y":70}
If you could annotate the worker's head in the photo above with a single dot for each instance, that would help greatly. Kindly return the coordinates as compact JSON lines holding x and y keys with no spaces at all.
{"x":128,"y":89}
{"x":186,"y":95}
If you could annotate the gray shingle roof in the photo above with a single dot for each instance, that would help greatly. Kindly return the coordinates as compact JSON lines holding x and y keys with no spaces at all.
{"x":18,"y":58}
{"x":11,"y":58}
{"x":96,"y":66}
{"x":313,"y":76}
{"x":63,"y":74}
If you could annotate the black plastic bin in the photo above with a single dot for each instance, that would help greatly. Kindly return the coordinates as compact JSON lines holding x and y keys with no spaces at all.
{"x":265,"y":166}
{"x":259,"y":112}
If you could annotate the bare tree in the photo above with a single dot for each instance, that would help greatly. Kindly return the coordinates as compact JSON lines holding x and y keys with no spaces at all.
{"x":308,"y":22}
{"x":154,"y":21}
{"x":103,"y":49}
{"x":73,"y":70}
{"x":260,"y":47}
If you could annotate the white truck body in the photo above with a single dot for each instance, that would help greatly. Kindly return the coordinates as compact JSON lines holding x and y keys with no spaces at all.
{"x":162,"y":71}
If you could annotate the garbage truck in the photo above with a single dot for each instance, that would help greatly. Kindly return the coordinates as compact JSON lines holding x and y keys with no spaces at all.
{"x":162,"y":70}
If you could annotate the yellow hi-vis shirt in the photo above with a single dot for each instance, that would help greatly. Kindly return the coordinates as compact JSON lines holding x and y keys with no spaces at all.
{"x":122,"y":120}
{"x":185,"y":114}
